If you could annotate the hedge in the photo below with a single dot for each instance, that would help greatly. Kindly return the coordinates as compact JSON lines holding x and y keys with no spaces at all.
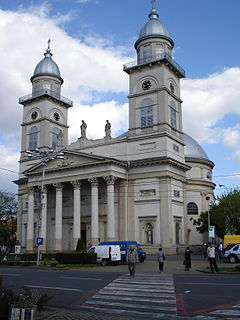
{"x":75,"y":257}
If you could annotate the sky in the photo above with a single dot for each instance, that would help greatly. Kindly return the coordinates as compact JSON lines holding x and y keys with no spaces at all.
{"x":90,"y":42}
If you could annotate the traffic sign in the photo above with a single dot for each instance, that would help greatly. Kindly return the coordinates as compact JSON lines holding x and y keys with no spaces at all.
{"x":211,"y":231}
{"x":39,"y":241}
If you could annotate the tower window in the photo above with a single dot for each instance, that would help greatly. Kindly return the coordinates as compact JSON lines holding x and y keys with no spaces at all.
{"x":172,"y":87}
{"x":173,"y":114}
{"x":146,"y":54}
{"x":33,"y":137}
{"x":146,"y":112}
{"x":192,"y":208}
{"x":55,"y":134}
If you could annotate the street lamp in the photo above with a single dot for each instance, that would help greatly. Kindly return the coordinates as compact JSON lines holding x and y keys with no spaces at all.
{"x":208,"y":212}
{"x":44,"y":156}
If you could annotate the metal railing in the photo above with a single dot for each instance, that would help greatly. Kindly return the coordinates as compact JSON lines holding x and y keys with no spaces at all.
{"x":155,"y":58}
{"x":48,"y":92}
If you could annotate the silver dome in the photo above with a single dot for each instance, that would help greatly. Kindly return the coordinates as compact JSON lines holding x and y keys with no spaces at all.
{"x":47,"y":65}
{"x":153,"y":26}
{"x":192,"y":149}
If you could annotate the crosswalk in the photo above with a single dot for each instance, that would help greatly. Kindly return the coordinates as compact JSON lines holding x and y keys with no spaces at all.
{"x":150,"y":296}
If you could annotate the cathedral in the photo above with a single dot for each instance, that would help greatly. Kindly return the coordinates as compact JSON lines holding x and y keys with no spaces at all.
{"x":148,"y":184}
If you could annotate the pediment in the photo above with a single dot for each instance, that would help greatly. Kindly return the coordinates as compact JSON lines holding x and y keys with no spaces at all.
{"x":71,"y":159}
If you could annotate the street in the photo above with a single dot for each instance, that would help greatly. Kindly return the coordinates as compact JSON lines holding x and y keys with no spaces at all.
{"x":147,"y":295}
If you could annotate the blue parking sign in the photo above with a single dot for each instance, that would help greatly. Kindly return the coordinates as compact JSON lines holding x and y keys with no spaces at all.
{"x":39,"y":241}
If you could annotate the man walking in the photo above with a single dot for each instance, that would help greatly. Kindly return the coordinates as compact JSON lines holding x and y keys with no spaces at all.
{"x":132,"y":259}
{"x":212,"y":258}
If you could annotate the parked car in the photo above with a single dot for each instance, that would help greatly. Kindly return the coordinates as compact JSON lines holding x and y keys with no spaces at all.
{"x":124,"y":246}
{"x":107,"y":253}
{"x":233,"y":253}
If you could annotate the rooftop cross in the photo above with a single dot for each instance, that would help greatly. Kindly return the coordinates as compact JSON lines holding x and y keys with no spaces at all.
{"x":49,"y":41}
{"x":153,"y":3}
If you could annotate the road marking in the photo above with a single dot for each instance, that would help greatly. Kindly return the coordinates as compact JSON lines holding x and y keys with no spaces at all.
{"x":77,"y":278}
{"x":212,"y":283}
{"x":53,"y":288}
{"x":145,"y":295}
{"x":11,"y":274}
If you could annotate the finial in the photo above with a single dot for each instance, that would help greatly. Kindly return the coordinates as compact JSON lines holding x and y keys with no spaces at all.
{"x":48,"y":48}
{"x":153,"y":3}
{"x":48,"y":53}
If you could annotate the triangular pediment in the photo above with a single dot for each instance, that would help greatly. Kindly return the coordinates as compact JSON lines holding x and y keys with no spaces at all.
{"x":71,"y":159}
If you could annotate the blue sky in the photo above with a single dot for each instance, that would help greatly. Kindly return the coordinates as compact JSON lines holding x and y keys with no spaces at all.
{"x":91,"y":39}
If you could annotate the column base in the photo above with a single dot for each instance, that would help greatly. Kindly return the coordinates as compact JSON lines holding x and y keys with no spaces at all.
{"x":94,"y":241}
{"x":58,"y":244}
{"x":111,"y":239}
{"x":29,"y":245}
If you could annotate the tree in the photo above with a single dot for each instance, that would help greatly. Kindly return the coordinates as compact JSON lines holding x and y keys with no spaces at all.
{"x":8,"y":210}
{"x":224,"y":215}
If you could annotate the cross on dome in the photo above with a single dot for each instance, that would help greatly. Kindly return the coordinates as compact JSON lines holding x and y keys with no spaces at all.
{"x":153,"y":3}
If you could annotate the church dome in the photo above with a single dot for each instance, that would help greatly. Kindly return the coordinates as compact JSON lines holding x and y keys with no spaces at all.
{"x":153,"y":27}
{"x":193,"y":149}
{"x":47,"y":65}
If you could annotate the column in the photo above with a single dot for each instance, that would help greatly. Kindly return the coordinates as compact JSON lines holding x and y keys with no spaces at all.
{"x":76,"y":212}
{"x":30,"y":219}
{"x":94,"y":211}
{"x":111,"y":232}
{"x":43,"y":230}
{"x":19,"y":219}
{"x":58,"y":217}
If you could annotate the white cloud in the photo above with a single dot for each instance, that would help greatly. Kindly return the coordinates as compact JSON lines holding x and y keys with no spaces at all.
{"x":207,"y":101}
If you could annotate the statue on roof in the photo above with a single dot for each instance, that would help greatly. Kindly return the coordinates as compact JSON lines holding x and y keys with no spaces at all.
{"x":83,"y":128}
{"x":108,"y":130}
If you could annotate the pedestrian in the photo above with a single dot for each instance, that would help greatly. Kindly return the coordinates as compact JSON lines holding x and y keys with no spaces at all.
{"x":187,"y":259}
{"x":132,"y":259}
{"x":161,"y":258}
{"x":212,"y":257}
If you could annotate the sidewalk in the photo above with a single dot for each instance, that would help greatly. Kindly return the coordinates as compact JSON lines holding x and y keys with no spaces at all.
{"x":173,"y":264}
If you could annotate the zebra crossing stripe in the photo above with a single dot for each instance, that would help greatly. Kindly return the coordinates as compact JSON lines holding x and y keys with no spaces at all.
{"x":151,"y":296}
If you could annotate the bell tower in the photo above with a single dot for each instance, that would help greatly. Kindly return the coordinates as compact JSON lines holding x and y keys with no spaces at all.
{"x":45,"y":111}
{"x":154,"y":83}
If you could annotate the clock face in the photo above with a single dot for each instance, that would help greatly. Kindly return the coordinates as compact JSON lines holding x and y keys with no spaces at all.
{"x":56,"y":116}
{"x":34,"y":115}
{"x":146,"y":85}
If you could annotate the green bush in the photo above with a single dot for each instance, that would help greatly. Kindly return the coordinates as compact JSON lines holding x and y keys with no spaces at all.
{"x":7,"y":298}
{"x":80,"y":245}
{"x":76,"y":257}
{"x":48,"y":256}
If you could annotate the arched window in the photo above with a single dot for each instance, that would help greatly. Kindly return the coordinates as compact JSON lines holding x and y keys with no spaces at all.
{"x":33,"y":138}
{"x":173,"y":114}
{"x":192,"y":208}
{"x":55,"y":134}
{"x":146,"y":112}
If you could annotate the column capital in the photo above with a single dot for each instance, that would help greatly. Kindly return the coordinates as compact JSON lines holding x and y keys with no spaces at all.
{"x":94,"y":182}
{"x":76,"y":184}
{"x":110,"y":180}
{"x":30,"y":190}
{"x":58,"y":186}
{"x":44,"y":190}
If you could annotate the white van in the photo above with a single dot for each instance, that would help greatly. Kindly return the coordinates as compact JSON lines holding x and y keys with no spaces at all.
{"x":107,"y":254}
{"x":233,"y":253}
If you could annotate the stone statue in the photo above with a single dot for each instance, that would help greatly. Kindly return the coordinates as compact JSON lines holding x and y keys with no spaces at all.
{"x":108,"y":129}
{"x":149,"y":234}
{"x":83,"y":129}
{"x":60,"y":139}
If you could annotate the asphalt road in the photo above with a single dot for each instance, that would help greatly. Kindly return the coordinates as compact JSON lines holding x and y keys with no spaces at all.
{"x":201,"y":293}
{"x":196,"y":294}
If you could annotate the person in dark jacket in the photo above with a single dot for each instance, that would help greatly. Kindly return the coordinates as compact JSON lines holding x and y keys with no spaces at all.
{"x":187,"y":259}
{"x":161,"y":258}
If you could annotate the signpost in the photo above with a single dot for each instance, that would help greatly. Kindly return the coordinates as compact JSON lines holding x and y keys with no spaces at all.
{"x":39,"y":243}
{"x":211,"y":231}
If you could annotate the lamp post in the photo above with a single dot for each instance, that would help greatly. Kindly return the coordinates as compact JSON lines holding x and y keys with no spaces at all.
{"x":44,"y":156}
{"x":208,"y":212}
